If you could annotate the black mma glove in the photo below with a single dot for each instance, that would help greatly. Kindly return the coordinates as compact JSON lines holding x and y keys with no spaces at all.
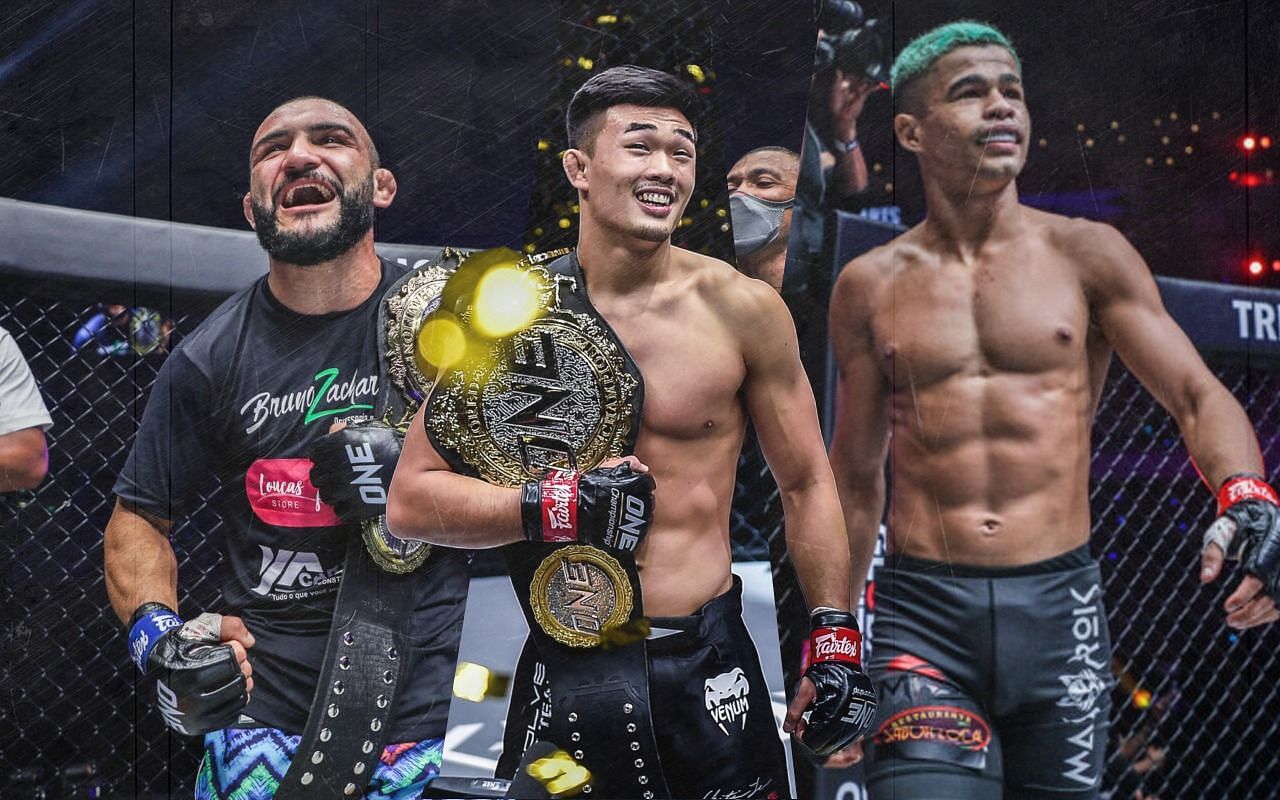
{"x":607,"y":507}
{"x":1248,"y":527}
{"x":351,"y":469}
{"x":845,"y":705}
{"x":200,"y":686}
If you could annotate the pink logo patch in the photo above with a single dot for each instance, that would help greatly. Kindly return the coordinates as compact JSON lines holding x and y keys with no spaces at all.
{"x":280,"y":493}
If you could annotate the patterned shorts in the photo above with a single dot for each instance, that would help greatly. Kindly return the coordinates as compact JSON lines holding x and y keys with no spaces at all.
{"x":248,"y":764}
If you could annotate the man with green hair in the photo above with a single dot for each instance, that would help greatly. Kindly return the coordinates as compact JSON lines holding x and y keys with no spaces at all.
{"x":977,"y":343}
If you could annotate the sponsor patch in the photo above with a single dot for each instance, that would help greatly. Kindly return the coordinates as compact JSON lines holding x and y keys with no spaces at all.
{"x":280,"y":493}
{"x":950,"y":725}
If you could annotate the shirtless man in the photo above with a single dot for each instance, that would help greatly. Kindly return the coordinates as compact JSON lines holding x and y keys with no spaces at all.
{"x":978,"y":343}
{"x":762,"y":190}
{"x":714,"y":348}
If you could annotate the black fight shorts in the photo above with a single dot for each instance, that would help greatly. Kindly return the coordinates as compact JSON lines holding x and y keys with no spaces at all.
{"x":712,"y":715}
{"x":993,"y":683}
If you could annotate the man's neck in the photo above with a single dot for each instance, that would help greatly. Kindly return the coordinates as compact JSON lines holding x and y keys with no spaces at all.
{"x":962,"y":219}
{"x":616,"y":266}
{"x":767,"y":265}
{"x":339,"y":284}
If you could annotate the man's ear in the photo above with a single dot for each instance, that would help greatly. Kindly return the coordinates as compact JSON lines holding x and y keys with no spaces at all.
{"x":906,"y":127}
{"x":384,"y":187}
{"x":575,"y":163}
{"x":247,"y":203}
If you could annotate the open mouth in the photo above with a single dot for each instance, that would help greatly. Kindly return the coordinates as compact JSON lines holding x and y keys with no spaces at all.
{"x":1000,"y":136}
{"x":656,"y":199}
{"x":307,"y":193}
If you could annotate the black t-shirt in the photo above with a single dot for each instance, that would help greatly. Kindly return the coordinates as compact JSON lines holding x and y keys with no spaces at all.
{"x":238,"y":403}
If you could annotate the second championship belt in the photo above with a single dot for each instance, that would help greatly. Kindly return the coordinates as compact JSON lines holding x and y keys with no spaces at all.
{"x":564,"y":393}
{"x":364,"y":662}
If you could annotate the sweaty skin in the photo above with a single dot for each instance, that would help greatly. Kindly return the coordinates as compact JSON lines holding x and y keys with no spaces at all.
{"x":976,"y":345}
{"x":714,"y":348}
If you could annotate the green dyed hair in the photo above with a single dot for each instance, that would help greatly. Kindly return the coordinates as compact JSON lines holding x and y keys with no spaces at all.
{"x":925,"y":50}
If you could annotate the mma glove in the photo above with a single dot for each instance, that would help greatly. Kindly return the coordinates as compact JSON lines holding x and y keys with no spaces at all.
{"x":845,"y":705}
{"x":200,"y":687}
{"x":352,"y":467}
{"x":609,"y":507}
{"x":1248,"y":528}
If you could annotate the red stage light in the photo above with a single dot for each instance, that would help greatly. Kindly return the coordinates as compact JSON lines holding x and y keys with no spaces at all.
{"x":1248,"y":143}
{"x":1275,"y":265}
{"x":1264,"y":142}
{"x":1255,"y":267}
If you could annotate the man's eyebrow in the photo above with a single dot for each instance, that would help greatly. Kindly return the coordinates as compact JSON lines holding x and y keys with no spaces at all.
{"x":770,"y":171}
{"x":649,"y":126}
{"x":971,"y":80}
{"x":319,"y":127}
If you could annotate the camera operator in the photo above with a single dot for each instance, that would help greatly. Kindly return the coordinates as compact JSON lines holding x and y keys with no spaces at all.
{"x":848,"y":68}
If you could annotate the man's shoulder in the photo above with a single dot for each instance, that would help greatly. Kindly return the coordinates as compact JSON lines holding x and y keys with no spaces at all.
{"x":216,"y":335}
{"x":723,"y":286}
{"x":1075,"y":236}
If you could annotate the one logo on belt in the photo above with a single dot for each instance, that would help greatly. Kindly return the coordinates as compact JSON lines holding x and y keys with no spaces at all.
{"x":727,"y":698}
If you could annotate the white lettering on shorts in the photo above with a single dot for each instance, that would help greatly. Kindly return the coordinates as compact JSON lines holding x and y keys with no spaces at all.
{"x":1085,"y":685}
{"x":726,"y":698}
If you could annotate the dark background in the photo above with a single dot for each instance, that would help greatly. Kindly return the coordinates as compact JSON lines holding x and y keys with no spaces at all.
{"x":1095,"y":71}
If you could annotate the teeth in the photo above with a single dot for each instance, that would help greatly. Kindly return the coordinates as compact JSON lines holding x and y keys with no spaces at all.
{"x":655,"y":198}
{"x":1002,"y":137}
{"x":309,"y":191}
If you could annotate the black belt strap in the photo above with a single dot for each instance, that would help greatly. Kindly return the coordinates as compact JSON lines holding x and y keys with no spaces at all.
{"x":349,"y":721}
{"x":600,"y":709}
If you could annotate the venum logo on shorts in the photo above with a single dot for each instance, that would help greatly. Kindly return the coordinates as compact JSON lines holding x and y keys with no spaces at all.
{"x":285,"y":571}
{"x":726,"y":697}
{"x":951,"y":725}
{"x":1084,"y":684}
{"x":280,"y":493}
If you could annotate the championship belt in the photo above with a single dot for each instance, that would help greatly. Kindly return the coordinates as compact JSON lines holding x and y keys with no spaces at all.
{"x":406,"y":381}
{"x":355,"y":700}
{"x":564,"y":393}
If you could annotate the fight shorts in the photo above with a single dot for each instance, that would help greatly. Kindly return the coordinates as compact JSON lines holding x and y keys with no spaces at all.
{"x":248,"y":764}
{"x":993,"y":682}
{"x":712,"y":715}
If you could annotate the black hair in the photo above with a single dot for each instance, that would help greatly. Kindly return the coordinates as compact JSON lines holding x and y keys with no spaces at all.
{"x":624,"y":85}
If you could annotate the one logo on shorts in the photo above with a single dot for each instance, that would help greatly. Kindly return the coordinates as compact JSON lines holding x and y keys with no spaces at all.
{"x":280,"y":493}
{"x":952,"y":725}
{"x":726,"y":697}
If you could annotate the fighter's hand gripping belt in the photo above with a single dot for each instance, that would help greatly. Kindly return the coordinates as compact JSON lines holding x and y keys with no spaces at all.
{"x":1248,"y":527}
{"x":352,"y":467}
{"x":608,"y":507}
{"x":845,"y":705}
{"x":200,"y":687}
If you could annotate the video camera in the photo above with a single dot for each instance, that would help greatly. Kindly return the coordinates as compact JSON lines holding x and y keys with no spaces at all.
{"x":850,"y":42}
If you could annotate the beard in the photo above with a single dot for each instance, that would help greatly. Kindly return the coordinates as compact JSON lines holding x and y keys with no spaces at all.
{"x":307,"y":248}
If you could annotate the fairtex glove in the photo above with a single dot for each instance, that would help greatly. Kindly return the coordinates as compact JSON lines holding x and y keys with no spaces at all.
{"x":200,"y":686}
{"x":352,"y":467}
{"x":845,"y":706}
{"x":1248,"y":527}
{"x":608,"y":507}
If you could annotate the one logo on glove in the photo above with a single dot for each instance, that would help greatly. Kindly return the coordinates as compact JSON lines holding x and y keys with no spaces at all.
{"x":837,"y":644}
{"x":727,"y":698}
{"x":169,"y":708}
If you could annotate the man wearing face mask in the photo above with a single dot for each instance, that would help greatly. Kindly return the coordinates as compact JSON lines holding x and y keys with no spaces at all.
{"x":762,"y":189}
